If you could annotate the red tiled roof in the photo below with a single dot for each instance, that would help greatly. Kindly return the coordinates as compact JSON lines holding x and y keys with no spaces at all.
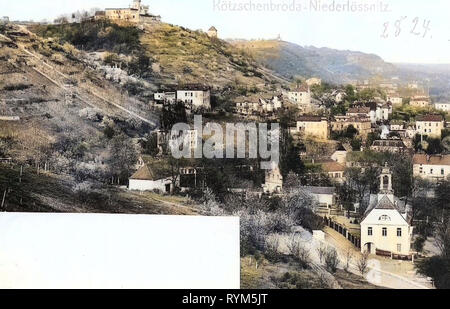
{"x":436,"y":118}
{"x":431,"y":160}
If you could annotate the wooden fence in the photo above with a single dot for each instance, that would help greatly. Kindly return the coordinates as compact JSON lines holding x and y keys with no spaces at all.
{"x":355,"y":240}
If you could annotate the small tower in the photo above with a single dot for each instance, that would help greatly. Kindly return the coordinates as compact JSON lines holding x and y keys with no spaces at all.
{"x":212,"y":32}
{"x":386,"y":184}
{"x":137,"y":5}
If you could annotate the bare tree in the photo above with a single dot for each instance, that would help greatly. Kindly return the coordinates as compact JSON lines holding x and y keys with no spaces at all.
{"x":348,"y":258}
{"x":363,"y":263}
{"x":321,"y":251}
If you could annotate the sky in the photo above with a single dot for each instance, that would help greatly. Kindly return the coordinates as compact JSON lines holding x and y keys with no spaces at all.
{"x":407,"y":31}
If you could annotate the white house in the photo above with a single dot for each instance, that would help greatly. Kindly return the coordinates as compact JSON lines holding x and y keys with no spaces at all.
{"x":433,"y":168}
{"x":430,"y":125}
{"x":445,"y":107}
{"x":386,"y":227}
{"x":324,"y":196}
{"x":197,"y":97}
{"x":395,"y":100}
{"x":300,"y":96}
{"x":146,"y":180}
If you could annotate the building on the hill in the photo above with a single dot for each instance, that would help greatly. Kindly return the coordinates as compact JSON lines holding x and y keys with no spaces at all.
{"x":386,"y":227}
{"x":195,"y":96}
{"x":324,"y":196}
{"x":212,"y":32}
{"x":433,"y":168}
{"x":362,"y":124}
{"x":136,"y":13}
{"x":334,"y":170}
{"x":146,"y":179}
{"x":4,"y":20}
{"x":300,"y":95}
{"x":313,"y":126}
{"x":340,"y":155}
{"x":314,"y":81}
{"x":390,"y":145}
{"x":420,"y":101}
{"x":430,"y":125}
{"x":445,"y":107}
{"x":395,"y":100}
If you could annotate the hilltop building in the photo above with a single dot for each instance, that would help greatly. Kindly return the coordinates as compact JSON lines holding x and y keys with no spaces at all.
{"x":136,"y":13}
{"x":386,"y":228}
{"x":314,"y":81}
{"x":212,"y":32}
{"x":300,"y":95}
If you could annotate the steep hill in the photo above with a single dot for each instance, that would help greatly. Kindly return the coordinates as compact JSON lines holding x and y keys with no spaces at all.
{"x":166,"y":54}
{"x":337,"y":66}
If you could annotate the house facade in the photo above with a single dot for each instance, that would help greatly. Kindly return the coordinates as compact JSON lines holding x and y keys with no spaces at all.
{"x":386,"y":227}
{"x":445,"y":107}
{"x":420,"y":101}
{"x":430,"y":125}
{"x":323,"y":196}
{"x":362,"y":124}
{"x":136,"y":13}
{"x":300,"y":96}
{"x":391,"y":145}
{"x":432,"y":168}
{"x":196,"y":97}
{"x":146,"y":180}
{"x":313,"y":126}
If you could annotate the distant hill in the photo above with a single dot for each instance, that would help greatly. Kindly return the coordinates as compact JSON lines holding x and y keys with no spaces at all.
{"x":337,"y":66}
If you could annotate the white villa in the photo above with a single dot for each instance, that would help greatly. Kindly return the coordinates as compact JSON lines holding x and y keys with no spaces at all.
{"x":386,"y":228}
{"x":433,"y":168}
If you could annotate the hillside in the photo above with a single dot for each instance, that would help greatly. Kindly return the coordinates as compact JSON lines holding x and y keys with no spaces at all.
{"x":336,"y":66}
{"x":165,"y":54}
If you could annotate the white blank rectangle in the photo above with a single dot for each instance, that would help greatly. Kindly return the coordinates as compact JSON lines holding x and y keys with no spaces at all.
{"x":118,"y":251}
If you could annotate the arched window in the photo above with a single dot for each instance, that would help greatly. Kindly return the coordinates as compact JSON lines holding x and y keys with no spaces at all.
{"x":386,"y":182}
{"x":384,"y":218}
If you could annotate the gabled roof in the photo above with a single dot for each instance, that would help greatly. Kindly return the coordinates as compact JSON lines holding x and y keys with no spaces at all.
{"x":332,"y":167}
{"x":385,"y":203}
{"x":212,"y":29}
{"x":431,"y":160}
{"x":144,"y":173}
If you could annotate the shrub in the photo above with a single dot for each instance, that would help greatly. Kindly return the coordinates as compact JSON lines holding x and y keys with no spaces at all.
{"x":331,"y":260}
{"x":419,"y":243}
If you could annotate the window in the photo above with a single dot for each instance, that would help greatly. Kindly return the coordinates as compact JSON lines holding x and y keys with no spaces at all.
{"x":431,"y":171}
{"x":370,"y":231}
{"x":399,"y":232}
{"x":399,"y":248}
{"x":384,"y":218}
{"x":442,"y":172}
{"x":384,"y":232}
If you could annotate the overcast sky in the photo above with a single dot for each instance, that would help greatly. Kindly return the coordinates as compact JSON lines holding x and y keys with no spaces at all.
{"x":304,"y":22}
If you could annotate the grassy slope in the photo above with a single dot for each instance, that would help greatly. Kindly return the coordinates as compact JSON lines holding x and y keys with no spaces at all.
{"x":52,"y":193}
{"x":184,"y":56}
